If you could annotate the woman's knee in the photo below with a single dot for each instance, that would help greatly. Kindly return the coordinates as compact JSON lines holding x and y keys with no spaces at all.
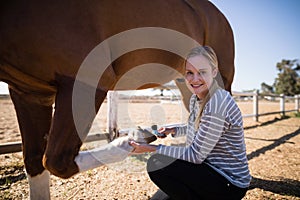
{"x":159,"y":162}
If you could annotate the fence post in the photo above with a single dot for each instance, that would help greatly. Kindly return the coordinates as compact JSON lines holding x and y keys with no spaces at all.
{"x":297,"y":103}
{"x":282,"y":106}
{"x":255,"y":105}
{"x":112,"y":113}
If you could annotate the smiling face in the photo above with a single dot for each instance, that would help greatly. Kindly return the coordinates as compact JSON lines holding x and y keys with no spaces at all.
{"x":199,"y":75}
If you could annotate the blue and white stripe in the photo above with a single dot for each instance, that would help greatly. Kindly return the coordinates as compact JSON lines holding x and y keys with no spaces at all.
{"x":219,"y":140}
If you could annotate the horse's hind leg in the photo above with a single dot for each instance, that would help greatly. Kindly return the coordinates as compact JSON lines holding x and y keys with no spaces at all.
{"x":34,"y":122}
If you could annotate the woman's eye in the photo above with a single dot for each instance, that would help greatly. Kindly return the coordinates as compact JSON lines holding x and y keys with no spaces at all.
{"x":189,"y":73}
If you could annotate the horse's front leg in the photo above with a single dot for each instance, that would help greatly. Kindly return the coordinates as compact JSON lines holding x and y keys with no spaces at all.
{"x":71,"y":122}
{"x":115,"y":151}
{"x":69,"y":128}
{"x":34,"y":122}
{"x":39,"y":186}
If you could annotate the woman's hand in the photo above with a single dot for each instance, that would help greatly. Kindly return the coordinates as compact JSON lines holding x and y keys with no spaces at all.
{"x":142,"y":148}
{"x":166,"y":131}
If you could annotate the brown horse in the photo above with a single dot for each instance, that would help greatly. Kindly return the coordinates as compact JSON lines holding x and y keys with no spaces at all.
{"x":49,"y":47}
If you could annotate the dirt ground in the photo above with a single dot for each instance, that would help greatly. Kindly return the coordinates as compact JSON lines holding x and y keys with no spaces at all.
{"x":273,"y":149}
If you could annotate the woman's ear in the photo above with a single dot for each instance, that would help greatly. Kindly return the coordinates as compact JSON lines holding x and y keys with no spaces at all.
{"x":214,"y":72}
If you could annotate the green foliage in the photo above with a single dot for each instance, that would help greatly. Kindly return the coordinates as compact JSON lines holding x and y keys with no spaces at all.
{"x":297,"y":114}
{"x":288,"y":80}
{"x":266,"y":89}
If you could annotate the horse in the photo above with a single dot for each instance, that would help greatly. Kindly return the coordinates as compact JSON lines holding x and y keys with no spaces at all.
{"x":71,"y":53}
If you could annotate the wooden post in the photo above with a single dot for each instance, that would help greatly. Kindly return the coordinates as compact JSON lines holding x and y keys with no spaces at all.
{"x":112,"y":114}
{"x":297,"y":103}
{"x":255,"y":105}
{"x":282,"y":106}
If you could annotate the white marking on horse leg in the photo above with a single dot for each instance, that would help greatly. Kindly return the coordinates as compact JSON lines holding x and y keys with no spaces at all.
{"x":39,"y":186}
{"x":115,"y":151}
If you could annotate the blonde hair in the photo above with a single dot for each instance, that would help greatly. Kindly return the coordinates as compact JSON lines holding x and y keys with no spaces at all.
{"x":205,"y":51}
{"x":211,"y":56}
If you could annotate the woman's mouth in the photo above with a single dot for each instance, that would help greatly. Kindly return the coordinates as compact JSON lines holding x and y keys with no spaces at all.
{"x":195,"y":86}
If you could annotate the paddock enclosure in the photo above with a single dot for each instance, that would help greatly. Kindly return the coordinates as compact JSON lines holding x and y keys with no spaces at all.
{"x":273,"y":149}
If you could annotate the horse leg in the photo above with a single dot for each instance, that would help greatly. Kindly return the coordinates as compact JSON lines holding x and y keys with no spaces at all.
{"x":34,"y":122}
{"x":62,"y":157}
{"x":39,"y":187}
{"x":115,"y":151}
{"x":67,"y":135}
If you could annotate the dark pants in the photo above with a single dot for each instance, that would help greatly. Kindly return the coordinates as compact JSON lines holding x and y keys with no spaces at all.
{"x":183,"y":180}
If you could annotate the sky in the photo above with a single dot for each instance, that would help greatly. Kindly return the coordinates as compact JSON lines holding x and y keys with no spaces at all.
{"x":265,"y":31}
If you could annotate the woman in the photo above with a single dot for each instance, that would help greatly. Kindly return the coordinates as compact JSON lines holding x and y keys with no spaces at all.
{"x":213,"y":164}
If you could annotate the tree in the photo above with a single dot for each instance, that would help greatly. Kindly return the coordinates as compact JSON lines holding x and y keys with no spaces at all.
{"x":266,"y":89}
{"x":288,"y":80}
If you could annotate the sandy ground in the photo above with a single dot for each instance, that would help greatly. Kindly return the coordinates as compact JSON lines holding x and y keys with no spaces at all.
{"x":273,"y":148}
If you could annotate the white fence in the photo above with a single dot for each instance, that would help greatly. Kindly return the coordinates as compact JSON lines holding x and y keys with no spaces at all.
{"x":112,"y":101}
{"x":256,"y":97}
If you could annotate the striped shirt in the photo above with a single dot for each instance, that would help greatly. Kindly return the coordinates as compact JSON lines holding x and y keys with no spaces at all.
{"x":219,"y":140}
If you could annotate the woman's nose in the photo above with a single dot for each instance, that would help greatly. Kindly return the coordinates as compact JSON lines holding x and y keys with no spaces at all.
{"x":197,"y":77}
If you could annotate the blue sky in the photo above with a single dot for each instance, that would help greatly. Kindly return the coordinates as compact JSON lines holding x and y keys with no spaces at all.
{"x":266,"y":31}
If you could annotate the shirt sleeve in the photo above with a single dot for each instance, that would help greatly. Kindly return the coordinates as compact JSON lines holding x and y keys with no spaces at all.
{"x":180,"y":131}
{"x":207,"y":136}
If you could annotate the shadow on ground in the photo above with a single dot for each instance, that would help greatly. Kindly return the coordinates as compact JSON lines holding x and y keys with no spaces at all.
{"x":275,"y":144}
{"x":11,"y":174}
{"x":267,"y":123}
{"x":285,"y":186}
